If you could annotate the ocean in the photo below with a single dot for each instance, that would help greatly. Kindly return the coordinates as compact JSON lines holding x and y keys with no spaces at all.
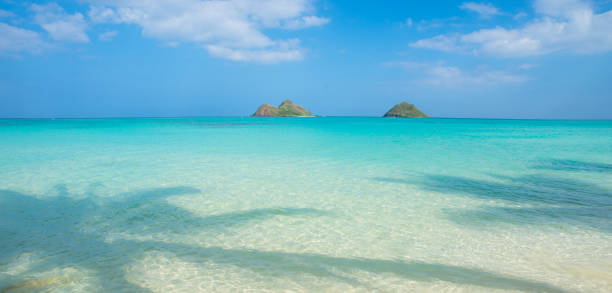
{"x":326,"y":204}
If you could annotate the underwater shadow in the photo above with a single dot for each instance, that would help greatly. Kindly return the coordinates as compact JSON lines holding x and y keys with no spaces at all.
{"x":599,"y":218}
{"x":522,"y":189}
{"x":572,"y":165}
{"x":66,"y":227}
{"x":273,"y":263}
{"x":528,"y":188}
{"x":549,"y":199}
{"x":394,"y":180}
{"x":241,"y":217}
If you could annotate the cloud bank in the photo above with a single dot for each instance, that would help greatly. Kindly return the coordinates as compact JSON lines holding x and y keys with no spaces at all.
{"x":570,"y":26}
{"x":14,"y":40}
{"x":238,"y":30}
{"x":230,"y":29}
{"x":485,"y":10}
{"x":441,"y":74}
{"x":60,"y":25}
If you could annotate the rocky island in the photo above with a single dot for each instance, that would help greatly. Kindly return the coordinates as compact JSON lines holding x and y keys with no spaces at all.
{"x":405,"y":110}
{"x":286,"y":109}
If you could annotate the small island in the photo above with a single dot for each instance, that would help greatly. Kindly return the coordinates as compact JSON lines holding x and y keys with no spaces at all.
{"x":405,"y":110}
{"x":286,"y":109}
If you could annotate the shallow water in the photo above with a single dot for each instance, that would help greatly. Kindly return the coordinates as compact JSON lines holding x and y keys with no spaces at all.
{"x":305,"y":204}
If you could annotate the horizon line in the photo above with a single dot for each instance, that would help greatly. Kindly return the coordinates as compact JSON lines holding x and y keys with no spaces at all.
{"x":316,"y":116}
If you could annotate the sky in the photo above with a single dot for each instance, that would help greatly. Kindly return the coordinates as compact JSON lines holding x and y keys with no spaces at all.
{"x":532,"y":59}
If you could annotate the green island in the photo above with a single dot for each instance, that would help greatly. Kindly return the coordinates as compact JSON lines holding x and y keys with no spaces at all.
{"x":285,"y":109}
{"x":405,"y":110}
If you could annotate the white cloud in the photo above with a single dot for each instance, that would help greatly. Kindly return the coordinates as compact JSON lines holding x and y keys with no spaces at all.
{"x":440,"y":43}
{"x":14,"y":40}
{"x":60,"y":25}
{"x":562,"y":26}
{"x":107,"y":36}
{"x":101,"y":14}
{"x":230,"y":29}
{"x":306,"y":21}
{"x":562,"y":7}
{"x":281,"y":51}
{"x":262,"y":56}
{"x":440,"y":74}
{"x":485,"y":10}
{"x":520,"y":15}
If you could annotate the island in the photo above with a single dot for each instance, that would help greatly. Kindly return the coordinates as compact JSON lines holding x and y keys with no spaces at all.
{"x":286,"y":109}
{"x":405,"y":110}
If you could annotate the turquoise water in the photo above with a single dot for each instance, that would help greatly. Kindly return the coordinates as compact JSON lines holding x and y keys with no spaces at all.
{"x":305,"y":204}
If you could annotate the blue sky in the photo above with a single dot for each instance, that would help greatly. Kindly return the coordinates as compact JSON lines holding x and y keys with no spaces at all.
{"x":492,"y":59}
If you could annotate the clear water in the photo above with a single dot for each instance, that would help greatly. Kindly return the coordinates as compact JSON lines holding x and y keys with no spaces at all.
{"x":305,"y":204}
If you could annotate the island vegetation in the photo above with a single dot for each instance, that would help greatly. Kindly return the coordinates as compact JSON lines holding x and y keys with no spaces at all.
{"x":286,"y":109}
{"x":405,"y":110}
